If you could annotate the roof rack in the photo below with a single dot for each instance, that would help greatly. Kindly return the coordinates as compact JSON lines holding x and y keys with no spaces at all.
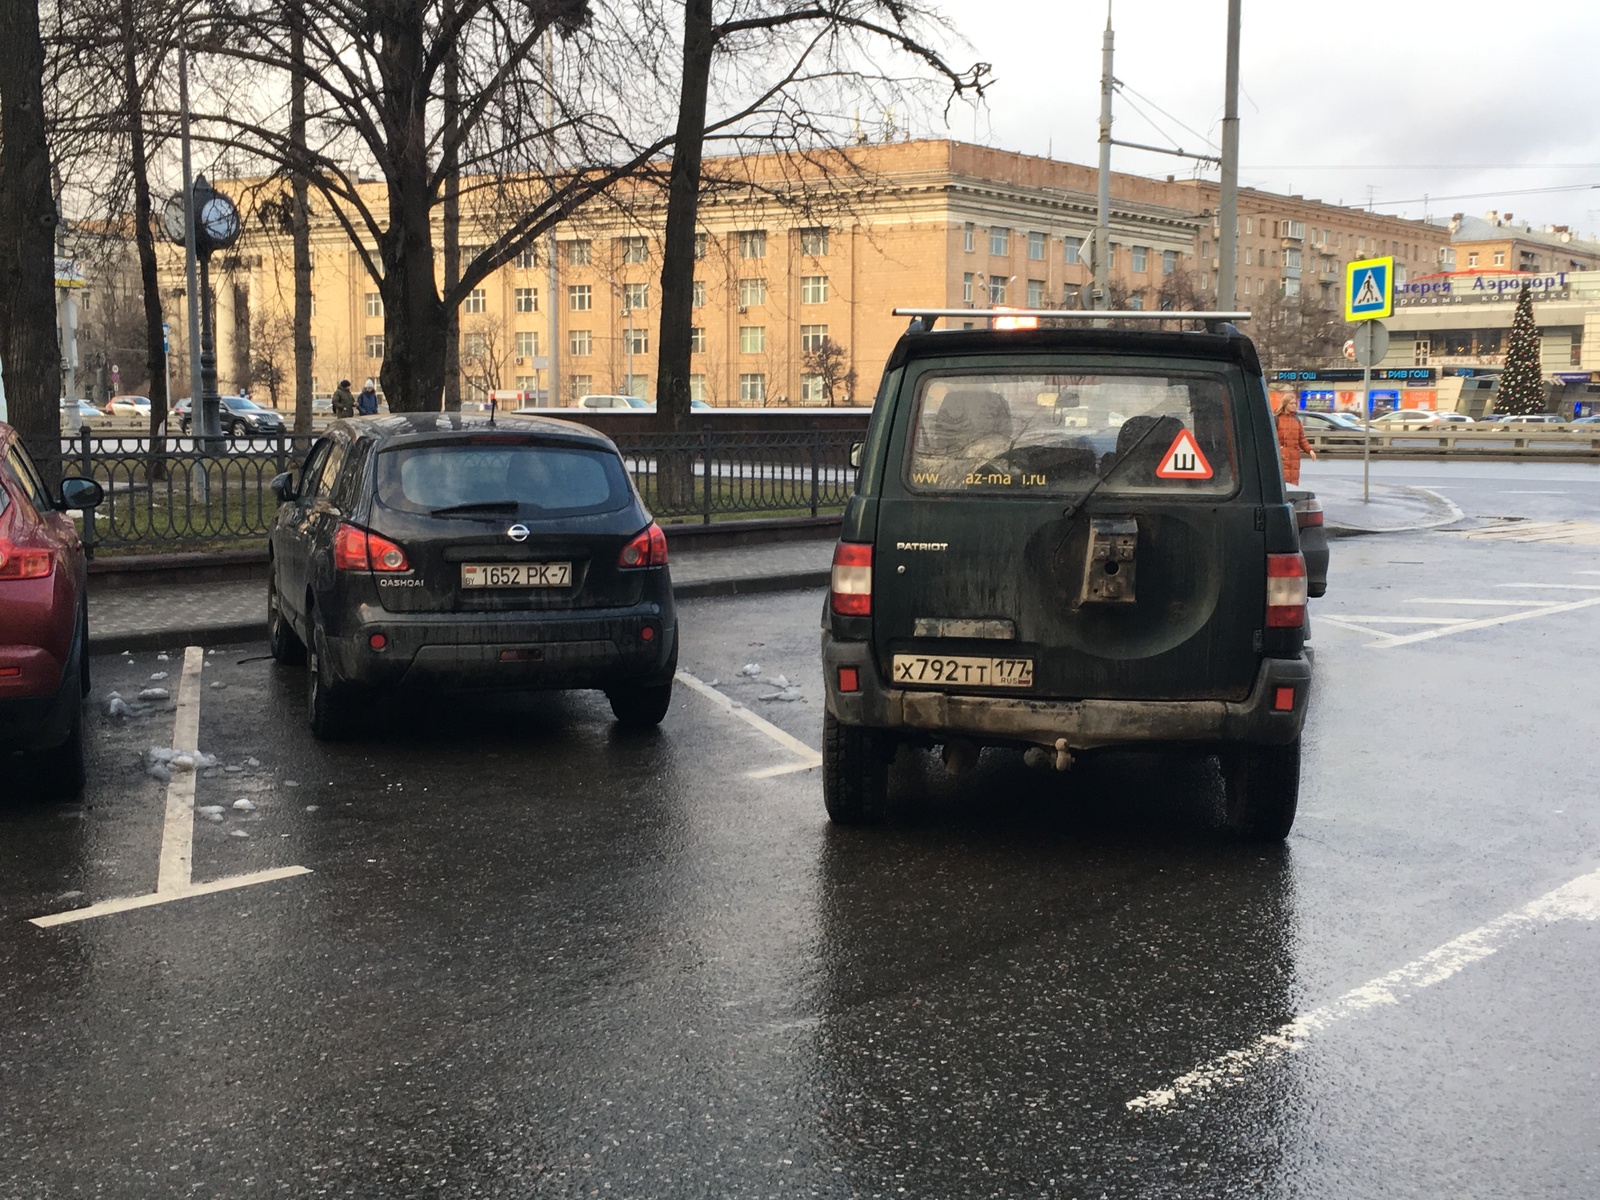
{"x":924,"y":318}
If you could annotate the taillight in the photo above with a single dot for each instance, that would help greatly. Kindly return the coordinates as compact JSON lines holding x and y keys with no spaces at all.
{"x":17,"y":562}
{"x":649,"y":549}
{"x":1308,"y":513}
{"x":358,"y":550}
{"x":851,"y":586}
{"x":1286,"y":591}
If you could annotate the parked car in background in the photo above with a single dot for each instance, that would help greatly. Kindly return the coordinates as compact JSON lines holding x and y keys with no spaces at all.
{"x":241,"y":416}
{"x":1334,"y":422}
{"x":1407,"y":418}
{"x":128,"y":406}
{"x":44,"y":624}
{"x":87,"y":413}
{"x":1587,"y":421}
{"x":595,"y":401}
{"x":450,"y":552}
{"x":1524,"y":419}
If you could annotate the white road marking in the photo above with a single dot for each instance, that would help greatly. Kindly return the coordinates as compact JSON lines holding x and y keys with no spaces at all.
{"x":808,"y":757}
{"x":1485,"y":603}
{"x":149,"y":899}
{"x":174,"y":875}
{"x":1528,"y":614}
{"x":1508,"y":492}
{"x":1377,"y":620}
{"x":1575,"y":901}
{"x":177,"y":830}
{"x":1329,"y":619}
{"x":1562,"y":587}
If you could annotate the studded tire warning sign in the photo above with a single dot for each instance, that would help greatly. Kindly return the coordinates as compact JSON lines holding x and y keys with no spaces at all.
{"x":1183,"y":459}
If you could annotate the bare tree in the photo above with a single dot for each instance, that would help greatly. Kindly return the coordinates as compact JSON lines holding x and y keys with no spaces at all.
{"x":830,"y":363}
{"x":1294,"y":332}
{"x":272,"y":354}
{"x":484,"y":353}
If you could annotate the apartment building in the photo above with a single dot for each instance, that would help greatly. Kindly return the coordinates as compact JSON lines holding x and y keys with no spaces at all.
{"x":1493,"y":242}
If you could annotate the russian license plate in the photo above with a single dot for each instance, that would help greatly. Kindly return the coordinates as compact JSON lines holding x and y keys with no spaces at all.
{"x":516,"y":575}
{"x":961,"y":670}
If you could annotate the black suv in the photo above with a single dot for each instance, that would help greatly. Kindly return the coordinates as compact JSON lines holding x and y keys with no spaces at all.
{"x":1065,"y":539}
{"x":456,"y":552}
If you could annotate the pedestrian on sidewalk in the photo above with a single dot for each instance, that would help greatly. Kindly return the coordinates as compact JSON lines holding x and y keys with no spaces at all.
{"x":344,"y":404}
{"x":367,"y":401}
{"x":1291,"y":439}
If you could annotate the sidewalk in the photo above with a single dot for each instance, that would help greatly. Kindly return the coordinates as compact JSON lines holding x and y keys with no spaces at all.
{"x":1392,"y":508}
{"x":166,"y":616}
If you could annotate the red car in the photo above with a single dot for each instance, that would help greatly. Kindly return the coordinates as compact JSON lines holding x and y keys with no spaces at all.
{"x":44,"y":622}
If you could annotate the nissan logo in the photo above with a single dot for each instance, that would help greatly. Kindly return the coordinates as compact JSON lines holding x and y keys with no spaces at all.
{"x":518,"y":533}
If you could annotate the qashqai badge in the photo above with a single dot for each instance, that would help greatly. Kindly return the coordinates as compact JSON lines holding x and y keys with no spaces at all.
{"x":518,"y":533}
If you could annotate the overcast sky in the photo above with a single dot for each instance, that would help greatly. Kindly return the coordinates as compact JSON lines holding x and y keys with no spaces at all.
{"x":1403,"y":97}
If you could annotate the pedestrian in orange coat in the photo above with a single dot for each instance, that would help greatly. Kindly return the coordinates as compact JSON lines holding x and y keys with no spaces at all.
{"x":1291,"y":439}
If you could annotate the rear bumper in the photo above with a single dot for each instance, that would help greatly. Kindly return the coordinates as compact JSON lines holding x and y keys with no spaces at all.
{"x":489,"y":651}
{"x":1085,"y":724}
{"x":43,"y":720}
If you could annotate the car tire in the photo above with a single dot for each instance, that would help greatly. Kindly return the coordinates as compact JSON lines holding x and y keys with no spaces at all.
{"x":282,"y":640}
{"x":330,"y":707}
{"x":641,"y":707}
{"x":60,"y":772}
{"x":1261,"y":789}
{"x":855,"y":772}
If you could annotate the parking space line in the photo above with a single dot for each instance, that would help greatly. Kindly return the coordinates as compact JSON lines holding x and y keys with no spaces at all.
{"x":1528,"y":614}
{"x":177,"y":830}
{"x":808,"y":757}
{"x":1577,"y":900}
{"x":175,"y":872}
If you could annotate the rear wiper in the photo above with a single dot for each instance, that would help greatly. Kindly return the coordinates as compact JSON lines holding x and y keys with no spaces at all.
{"x":485,"y":506}
{"x":1077,"y":506}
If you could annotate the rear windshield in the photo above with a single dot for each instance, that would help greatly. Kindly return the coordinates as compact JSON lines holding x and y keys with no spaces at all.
{"x":541,"y":480}
{"x":1048,"y":433}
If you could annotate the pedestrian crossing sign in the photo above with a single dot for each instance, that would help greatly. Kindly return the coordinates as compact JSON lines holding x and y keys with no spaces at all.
{"x":1369,"y":289}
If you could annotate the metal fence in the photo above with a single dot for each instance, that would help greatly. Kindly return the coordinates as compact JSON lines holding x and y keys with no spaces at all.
{"x":174,"y":494}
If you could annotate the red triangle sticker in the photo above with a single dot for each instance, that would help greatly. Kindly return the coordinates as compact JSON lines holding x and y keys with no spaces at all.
{"x":1183,"y":459}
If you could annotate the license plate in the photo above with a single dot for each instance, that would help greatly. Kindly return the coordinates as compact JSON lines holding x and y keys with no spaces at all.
{"x":961,"y":670}
{"x":516,"y":575}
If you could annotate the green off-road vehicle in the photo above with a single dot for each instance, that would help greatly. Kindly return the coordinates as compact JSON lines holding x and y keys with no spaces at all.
{"x":1064,"y":539}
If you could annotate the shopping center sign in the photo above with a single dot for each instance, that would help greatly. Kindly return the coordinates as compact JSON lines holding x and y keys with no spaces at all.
{"x":1456,"y":289}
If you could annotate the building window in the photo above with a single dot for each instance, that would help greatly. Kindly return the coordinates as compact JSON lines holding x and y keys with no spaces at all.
{"x":1111,"y":256}
{"x":753,"y":389}
{"x":635,"y":250}
{"x":578,"y":253}
{"x":635,"y":296}
{"x":1250,"y":225}
{"x":1169,"y":261}
{"x":579,"y":342}
{"x":1291,"y":287}
{"x":1136,"y":302}
{"x":1421,"y":349}
{"x":374,"y":304}
{"x":966,"y":287}
{"x":999,"y":240}
{"x":1036,"y":293}
{"x":697,"y":339}
{"x":1261,"y":287}
{"x":697,"y":297}
{"x":477,"y":347}
{"x":475,"y":301}
{"x":814,"y":242}
{"x":811,"y":389}
{"x":697,"y":388}
{"x":1036,"y":247}
{"x":374,"y":345}
{"x":997,"y":291}
{"x":528,"y":258}
{"x":636,"y":341}
{"x":1073,"y":250}
{"x":581,"y":385}
{"x":526,"y":344}
{"x":699,"y":246}
{"x":968,"y":234}
{"x":752,"y":243}
{"x":470,"y":250}
{"x":527,"y":383}
{"x":636,"y":385}
{"x":580,"y":298}
{"x":526,"y":299}
{"x":812,"y":337}
{"x":1499,"y":258}
{"x":752,"y":339}
{"x":1141,"y":258}
{"x":813,"y":289}
{"x":1249,"y":256}
{"x":752,"y":291}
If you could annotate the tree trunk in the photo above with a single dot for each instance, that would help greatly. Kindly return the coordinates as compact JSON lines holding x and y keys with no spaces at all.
{"x":300,"y":229}
{"x":144,"y":240}
{"x":29,"y":354}
{"x":452,"y":227}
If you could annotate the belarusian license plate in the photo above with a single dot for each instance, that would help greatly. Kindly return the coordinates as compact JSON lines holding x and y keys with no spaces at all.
{"x":963,"y":671}
{"x":516,"y":575}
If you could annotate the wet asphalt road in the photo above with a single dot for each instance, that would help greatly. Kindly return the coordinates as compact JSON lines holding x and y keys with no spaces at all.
{"x":538,"y":957}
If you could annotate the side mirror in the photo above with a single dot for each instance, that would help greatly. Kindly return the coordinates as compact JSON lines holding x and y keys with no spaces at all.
{"x":855,"y":453}
{"x":81,"y":493}
{"x":283,"y":487}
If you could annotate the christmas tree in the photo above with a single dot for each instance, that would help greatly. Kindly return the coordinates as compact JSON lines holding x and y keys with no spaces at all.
{"x":1521,"y":383}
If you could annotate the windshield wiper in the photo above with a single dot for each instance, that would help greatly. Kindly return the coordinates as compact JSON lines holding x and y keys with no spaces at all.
{"x":1075,"y":508}
{"x":484,"y":506}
